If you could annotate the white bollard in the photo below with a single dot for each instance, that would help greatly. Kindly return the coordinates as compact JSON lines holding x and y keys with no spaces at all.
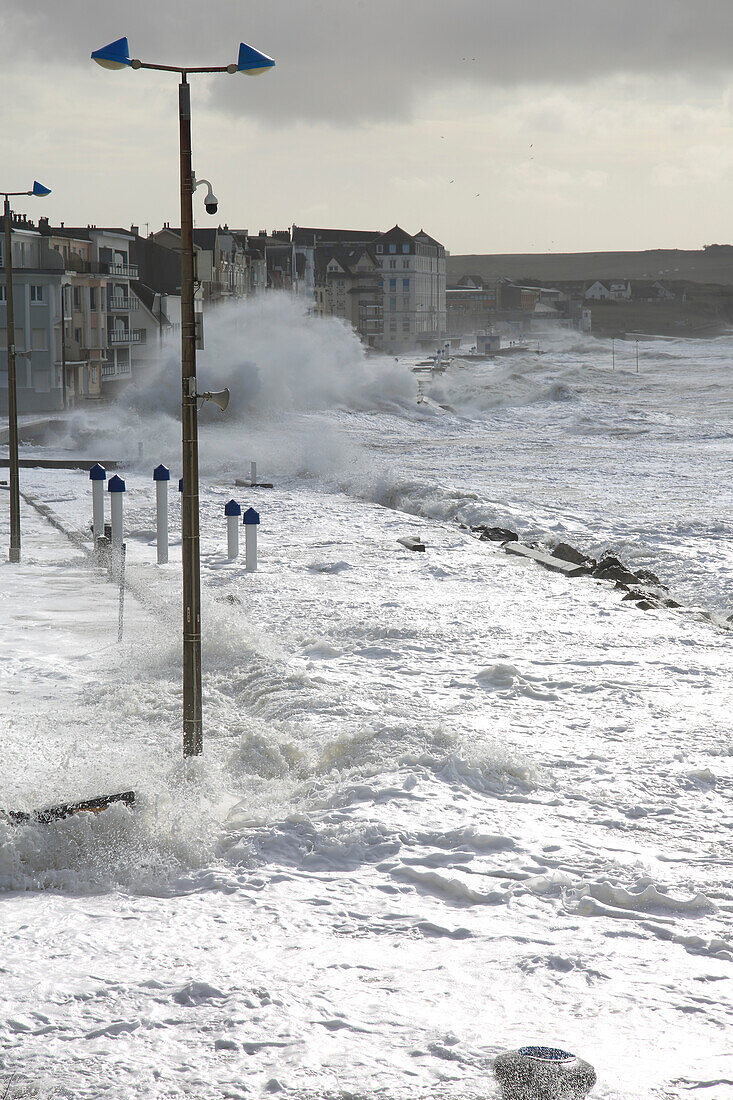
{"x":253,"y":473}
{"x":251,"y":520}
{"x":116,"y":488}
{"x":97,"y":476}
{"x":232,"y":511}
{"x":161,"y":477}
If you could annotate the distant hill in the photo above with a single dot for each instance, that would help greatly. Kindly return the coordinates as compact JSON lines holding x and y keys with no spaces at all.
{"x":713,"y":264}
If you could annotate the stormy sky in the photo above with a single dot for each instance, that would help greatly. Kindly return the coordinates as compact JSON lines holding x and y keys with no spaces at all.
{"x":496,"y":126}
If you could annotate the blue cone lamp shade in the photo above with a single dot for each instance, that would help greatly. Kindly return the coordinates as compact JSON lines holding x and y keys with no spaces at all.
{"x":39,"y":190}
{"x":114,"y":56}
{"x":251,"y":61}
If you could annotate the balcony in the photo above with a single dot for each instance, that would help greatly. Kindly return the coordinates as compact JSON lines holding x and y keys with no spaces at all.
{"x":129,"y":271}
{"x":121,"y":304}
{"x":100,"y":267}
{"x":123,"y":337}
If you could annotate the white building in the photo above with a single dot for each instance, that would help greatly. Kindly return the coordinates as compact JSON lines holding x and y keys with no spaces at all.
{"x":597,"y":292}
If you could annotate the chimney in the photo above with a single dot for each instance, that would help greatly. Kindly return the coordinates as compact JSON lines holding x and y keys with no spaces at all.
{"x":135,"y":229}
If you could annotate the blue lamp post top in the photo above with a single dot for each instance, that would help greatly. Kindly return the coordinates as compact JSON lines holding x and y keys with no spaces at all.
{"x":39,"y":190}
{"x":97,"y":473}
{"x":231,"y":508}
{"x":251,"y":61}
{"x":250,"y":516}
{"x":116,"y":55}
{"x":161,"y":473}
{"x":116,"y":485}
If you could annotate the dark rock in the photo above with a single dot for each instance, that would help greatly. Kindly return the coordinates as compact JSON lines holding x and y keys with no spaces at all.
{"x":569,"y":553}
{"x":496,"y":534}
{"x":620,"y":584}
{"x":646,"y":605}
{"x":634,"y":594}
{"x":607,"y":560}
{"x":667,"y":602}
{"x":647,"y":576}
{"x":615,"y":573}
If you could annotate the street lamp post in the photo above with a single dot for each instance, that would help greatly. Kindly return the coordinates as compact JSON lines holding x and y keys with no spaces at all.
{"x":250,"y":62}
{"x":40,"y":192}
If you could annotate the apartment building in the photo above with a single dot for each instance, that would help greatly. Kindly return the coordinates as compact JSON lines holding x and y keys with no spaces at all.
{"x":348,"y":284}
{"x":413,"y":276}
{"x":37,"y":281}
{"x":393,"y":283}
{"x":100,"y":333}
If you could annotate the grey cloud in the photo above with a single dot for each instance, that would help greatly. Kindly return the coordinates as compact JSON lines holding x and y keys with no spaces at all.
{"x":357,"y":61}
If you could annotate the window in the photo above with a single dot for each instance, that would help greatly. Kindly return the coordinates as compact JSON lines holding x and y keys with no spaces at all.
{"x":77,"y":335}
{"x":3,"y":294}
{"x":405,"y":248}
{"x":77,"y":298}
{"x":393,"y":303}
{"x":39,"y":339}
{"x":341,"y":282}
{"x":405,"y":303}
{"x":380,"y":248}
{"x":405,"y":284}
{"x":393,"y":263}
{"x":405,"y":263}
{"x":36,"y":293}
{"x":393,"y":284}
{"x":92,"y":297}
{"x":405,"y":326}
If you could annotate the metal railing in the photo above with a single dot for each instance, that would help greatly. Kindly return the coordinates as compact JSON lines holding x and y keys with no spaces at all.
{"x":126,"y":304}
{"x":100,"y":267}
{"x":126,"y":336}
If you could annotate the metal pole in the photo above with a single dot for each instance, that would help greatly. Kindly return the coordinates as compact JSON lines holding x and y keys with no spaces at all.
{"x":14,"y":552}
{"x":192,"y":726}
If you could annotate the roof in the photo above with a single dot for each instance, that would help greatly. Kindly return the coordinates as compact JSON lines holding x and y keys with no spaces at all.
{"x":202,"y":238}
{"x":84,"y":233}
{"x":311,"y":236}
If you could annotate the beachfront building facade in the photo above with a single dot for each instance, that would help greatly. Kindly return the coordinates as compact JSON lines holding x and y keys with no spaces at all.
{"x":389,"y":286}
{"x":37,"y":281}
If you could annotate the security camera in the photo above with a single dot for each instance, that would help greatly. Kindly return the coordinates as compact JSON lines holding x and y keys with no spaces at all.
{"x":211,"y":202}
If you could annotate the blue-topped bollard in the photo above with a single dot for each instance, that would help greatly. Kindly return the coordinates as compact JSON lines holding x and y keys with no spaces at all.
{"x":180,"y":485}
{"x":116,"y":487}
{"x":232,"y":511}
{"x":97,"y":476}
{"x":161,"y":477}
{"x":251,"y":520}
{"x":543,"y":1073}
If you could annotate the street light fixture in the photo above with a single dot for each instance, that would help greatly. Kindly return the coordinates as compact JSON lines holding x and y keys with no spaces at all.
{"x":40,"y":192}
{"x":251,"y":62}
